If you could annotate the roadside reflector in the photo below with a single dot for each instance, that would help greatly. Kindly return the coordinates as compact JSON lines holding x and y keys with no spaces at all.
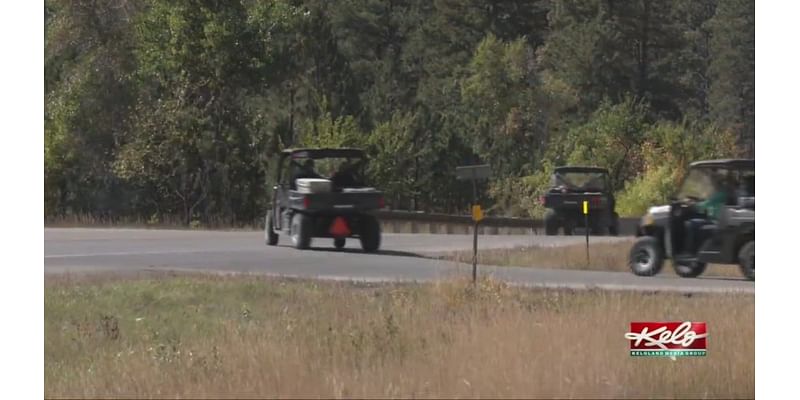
{"x":585,"y":207}
{"x":477,"y":213}
{"x":339,"y":227}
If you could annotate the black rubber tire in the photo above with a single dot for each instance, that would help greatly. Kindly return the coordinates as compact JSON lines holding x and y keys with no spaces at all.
{"x":689,"y":269}
{"x":550,"y":223}
{"x":646,"y":257}
{"x":568,"y":227}
{"x":339,"y":243}
{"x":370,"y":234}
{"x":613,"y":230}
{"x":270,"y":237}
{"x":597,"y":231}
{"x":301,"y":231}
{"x":747,"y":260}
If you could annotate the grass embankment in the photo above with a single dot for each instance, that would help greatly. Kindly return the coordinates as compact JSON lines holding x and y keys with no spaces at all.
{"x":208,"y":336}
{"x":602,"y":257}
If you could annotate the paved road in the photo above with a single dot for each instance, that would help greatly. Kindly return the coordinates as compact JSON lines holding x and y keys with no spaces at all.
{"x":402,"y":258}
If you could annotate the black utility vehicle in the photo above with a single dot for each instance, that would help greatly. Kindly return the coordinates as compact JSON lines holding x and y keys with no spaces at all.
{"x":322,"y":193}
{"x":694,"y":232}
{"x":570,"y":187}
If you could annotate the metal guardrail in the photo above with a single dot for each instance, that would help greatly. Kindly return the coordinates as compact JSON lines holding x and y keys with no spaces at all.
{"x":447,"y":223}
{"x":509,"y":222}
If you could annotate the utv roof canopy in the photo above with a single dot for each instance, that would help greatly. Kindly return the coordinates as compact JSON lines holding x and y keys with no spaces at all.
{"x":725,"y":163}
{"x":317,"y":153}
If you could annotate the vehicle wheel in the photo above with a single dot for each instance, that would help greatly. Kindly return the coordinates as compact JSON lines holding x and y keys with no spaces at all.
{"x":689,"y":269}
{"x":747,"y":260}
{"x":550,"y":223}
{"x":646,"y":257}
{"x":598,"y":230}
{"x":301,"y":231}
{"x":370,"y":234}
{"x":339,"y":243}
{"x":270,"y":237}
{"x":613,"y":230}
{"x":568,"y":227}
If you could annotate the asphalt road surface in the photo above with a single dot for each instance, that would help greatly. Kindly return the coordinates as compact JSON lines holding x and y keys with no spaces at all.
{"x":402,"y":257}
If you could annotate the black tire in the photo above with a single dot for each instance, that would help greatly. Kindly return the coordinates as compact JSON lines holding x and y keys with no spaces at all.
{"x":270,"y":237}
{"x":598,"y":231}
{"x":646,"y":257}
{"x":568,"y":227}
{"x":301,"y":231}
{"x":370,"y":234}
{"x":339,"y":243}
{"x":613,"y":230}
{"x":550,"y":223}
{"x":687,"y":269}
{"x":747,"y":260}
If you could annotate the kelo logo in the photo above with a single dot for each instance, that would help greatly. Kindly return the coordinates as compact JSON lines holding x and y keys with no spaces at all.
{"x":667,"y":339}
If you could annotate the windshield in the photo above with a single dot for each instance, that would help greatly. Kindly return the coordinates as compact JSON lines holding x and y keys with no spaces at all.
{"x":746,"y":183}
{"x":344,"y":171}
{"x":697,"y":185}
{"x":701,"y":183}
{"x":327,"y":167}
{"x":586,"y":181}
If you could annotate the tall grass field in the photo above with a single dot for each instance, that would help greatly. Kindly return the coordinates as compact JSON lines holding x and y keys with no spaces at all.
{"x":204,"y":336}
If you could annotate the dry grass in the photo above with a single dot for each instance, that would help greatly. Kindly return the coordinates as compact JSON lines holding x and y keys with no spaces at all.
{"x":602,"y":257}
{"x":241,"y":337}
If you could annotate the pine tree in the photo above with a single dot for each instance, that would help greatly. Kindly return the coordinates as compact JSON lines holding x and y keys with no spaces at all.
{"x":732,"y":69}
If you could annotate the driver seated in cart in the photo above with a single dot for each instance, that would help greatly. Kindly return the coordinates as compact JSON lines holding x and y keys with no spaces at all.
{"x":711,"y":207}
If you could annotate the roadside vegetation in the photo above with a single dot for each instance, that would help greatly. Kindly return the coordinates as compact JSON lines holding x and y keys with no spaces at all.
{"x":602,"y":257}
{"x":196,"y":336}
{"x":173,"y":110}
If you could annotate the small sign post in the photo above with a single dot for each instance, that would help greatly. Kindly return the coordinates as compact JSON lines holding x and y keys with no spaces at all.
{"x":477,"y":213}
{"x":586,"y":224}
{"x":473,"y":173}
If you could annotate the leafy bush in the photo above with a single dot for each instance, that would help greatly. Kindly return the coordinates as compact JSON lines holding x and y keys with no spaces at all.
{"x":610,"y":139}
{"x":651,"y":188}
{"x":519,"y":197}
{"x":327,"y":131}
{"x":666,"y":155}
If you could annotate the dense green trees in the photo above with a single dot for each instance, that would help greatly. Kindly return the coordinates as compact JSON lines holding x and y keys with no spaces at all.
{"x":731,"y":69}
{"x":176,"y":108}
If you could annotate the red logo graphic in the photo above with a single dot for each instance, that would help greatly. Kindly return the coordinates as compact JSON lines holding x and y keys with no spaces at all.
{"x":667,"y":339}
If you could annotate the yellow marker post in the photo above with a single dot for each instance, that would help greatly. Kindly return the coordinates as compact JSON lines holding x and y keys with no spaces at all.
{"x":586,"y":225}
{"x":477,"y":213}
{"x":477,"y":216}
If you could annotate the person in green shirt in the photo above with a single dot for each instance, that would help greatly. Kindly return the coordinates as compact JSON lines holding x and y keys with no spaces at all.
{"x":712,"y":207}
{"x":713,"y":204}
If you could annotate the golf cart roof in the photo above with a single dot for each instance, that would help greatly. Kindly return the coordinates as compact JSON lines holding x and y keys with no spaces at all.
{"x":580,"y":169}
{"x":734,"y":163}
{"x":316,"y":153}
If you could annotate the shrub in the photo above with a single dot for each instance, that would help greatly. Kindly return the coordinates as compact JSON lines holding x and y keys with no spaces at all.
{"x":651,"y":188}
